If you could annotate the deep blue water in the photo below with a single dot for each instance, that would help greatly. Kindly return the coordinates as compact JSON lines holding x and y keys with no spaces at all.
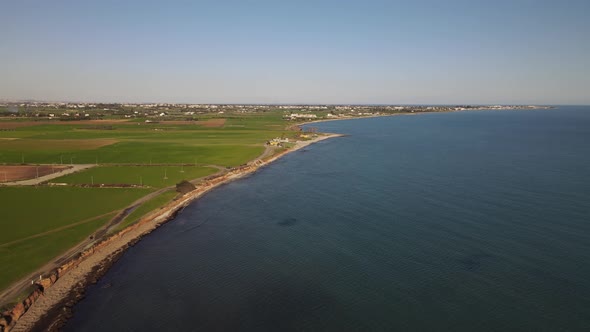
{"x":464,"y":221}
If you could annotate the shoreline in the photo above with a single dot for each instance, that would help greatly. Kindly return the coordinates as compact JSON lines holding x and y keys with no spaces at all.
{"x":49,"y":306}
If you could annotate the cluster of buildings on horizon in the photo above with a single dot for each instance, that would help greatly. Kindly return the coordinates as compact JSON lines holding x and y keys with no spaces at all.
{"x":163,"y":111}
{"x":319,"y":107}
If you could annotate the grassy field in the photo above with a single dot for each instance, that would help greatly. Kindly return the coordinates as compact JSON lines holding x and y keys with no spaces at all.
{"x":27,"y":211}
{"x":39,"y":223}
{"x":132,"y":152}
{"x":240,"y":139}
{"x":21,"y":258}
{"x":153,"y":176}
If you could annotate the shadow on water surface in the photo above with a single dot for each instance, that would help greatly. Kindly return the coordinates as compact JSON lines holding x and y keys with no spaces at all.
{"x":287,"y":222}
{"x":473,"y":262}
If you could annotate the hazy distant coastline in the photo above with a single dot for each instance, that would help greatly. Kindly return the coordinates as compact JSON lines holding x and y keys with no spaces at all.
{"x":67,"y":111}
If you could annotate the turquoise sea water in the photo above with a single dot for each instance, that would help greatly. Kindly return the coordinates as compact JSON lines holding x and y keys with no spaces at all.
{"x":469,"y":221}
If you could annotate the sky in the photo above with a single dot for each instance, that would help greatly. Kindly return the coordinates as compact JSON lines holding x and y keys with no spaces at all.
{"x":322,"y":51}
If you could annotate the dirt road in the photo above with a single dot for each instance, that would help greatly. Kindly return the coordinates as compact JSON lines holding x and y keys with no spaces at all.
{"x":32,"y":182}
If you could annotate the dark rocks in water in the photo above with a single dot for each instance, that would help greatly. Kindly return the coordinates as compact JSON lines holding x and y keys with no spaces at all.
{"x":287,"y":222}
{"x":473,"y":262}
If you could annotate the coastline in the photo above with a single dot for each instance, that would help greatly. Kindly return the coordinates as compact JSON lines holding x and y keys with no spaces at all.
{"x":36,"y":312}
{"x":417,"y":113}
{"x":49,"y":306}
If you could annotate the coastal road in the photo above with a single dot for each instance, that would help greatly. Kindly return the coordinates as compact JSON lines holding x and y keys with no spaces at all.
{"x":21,"y":285}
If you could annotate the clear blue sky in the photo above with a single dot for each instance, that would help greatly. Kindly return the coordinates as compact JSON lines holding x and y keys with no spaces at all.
{"x":411,"y":52}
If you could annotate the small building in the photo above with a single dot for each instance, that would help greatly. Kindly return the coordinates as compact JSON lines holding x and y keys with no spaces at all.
{"x":295,"y":116}
{"x":274,"y":143}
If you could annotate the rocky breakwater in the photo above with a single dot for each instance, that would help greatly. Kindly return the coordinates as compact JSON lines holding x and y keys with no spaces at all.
{"x":9,"y":318}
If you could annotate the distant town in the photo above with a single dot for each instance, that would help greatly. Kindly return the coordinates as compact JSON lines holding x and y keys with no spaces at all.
{"x":64,"y":111}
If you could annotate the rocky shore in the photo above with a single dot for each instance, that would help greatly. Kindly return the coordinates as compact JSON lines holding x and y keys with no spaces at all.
{"x":49,"y":306}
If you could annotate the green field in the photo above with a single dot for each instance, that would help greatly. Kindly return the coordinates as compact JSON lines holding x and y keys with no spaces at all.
{"x":37,"y":224}
{"x":240,"y":140}
{"x":27,"y":211}
{"x":132,"y":152}
{"x":153,"y":176}
{"x":21,"y":258}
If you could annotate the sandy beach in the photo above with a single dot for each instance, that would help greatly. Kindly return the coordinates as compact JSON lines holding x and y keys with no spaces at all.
{"x":50,"y":305}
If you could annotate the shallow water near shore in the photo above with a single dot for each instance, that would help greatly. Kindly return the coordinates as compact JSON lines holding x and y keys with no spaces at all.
{"x":457,"y":221}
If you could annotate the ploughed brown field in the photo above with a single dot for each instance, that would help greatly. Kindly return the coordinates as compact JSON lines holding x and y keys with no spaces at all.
{"x":213,"y":123}
{"x":25,"y":172}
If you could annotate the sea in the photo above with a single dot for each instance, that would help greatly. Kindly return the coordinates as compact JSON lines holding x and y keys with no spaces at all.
{"x":463,"y":221}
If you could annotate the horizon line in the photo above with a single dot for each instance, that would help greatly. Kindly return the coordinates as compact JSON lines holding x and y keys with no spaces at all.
{"x":283,"y":104}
